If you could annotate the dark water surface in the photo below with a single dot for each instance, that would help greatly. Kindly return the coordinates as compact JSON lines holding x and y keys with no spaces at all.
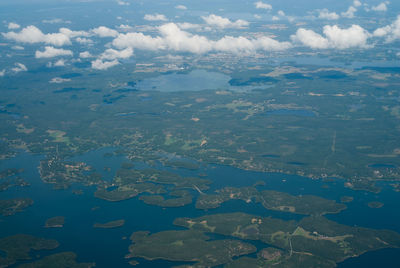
{"x":107,"y":247}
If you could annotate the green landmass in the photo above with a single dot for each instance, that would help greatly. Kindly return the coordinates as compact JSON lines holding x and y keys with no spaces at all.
{"x":375,"y":204}
{"x":10,"y":172}
{"x":273,"y":200}
{"x":187,"y":246}
{"x":314,"y":238}
{"x":110,"y":224}
{"x":18,"y":247}
{"x":183,"y":198}
{"x":63,"y":173}
{"x":349,"y":129}
{"x":346,"y":199}
{"x":55,"y":222}
{"x":59,"y":260}
{"x":9,"y":207}
{"x":13,"y":182}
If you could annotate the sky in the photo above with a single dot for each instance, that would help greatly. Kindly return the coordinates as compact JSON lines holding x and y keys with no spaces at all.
{"x":108,"y":32}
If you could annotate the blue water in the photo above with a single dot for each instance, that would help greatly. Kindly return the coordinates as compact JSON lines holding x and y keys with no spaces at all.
{"x":194,"y":81}
{"x":107,"y":247}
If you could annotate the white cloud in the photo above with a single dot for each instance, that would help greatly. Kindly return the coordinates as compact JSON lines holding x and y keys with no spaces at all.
{"x":334,"y":37}
{"x":122,"y":3}
{"x":59,"y":63}
{"x":112,"y":54}
{"x":85,"y":55}
{"x":350,"y":12}
{"x":262,"y":5}
{"x":53,"y":21}
{"x":189,"y":26}
{"x":31,"y":34}
{"x":220,"y":22}
{"x":50,"y":52}
{"x":124,"y":27}
{"x":356,"y":3}
{"x":281,"y":13}
{"x":103,"y":31}
{"x":275,"y":18}
{"x":17,"y":47}
{"x":181,"y":7}
{"x":325,"y":14}
{"x":58,"y":80}
{"x":19,"y":67}
{"x":381,"y":7}
{"x":173,"y":38}
{"x":73,"y":34}
{"x":2,"y":72}
{"x":84,"y":41}
{"x":13,"y":26}
{"x":103,"y":65}
{"x":155,"y":17}
{"x":310,"y":39}
{"x":257,"y":16}
{"x":391,"y":32}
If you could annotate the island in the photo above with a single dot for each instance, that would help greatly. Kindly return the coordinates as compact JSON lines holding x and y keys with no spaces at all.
{"x":346,"y":199}
{"x":313,"y":241}
{"x":110,"y":224}
{"x":19,"y":247}
{"x":55,"y":222}
{"x":375,"y":204}
{"x":272,"y":200}
{"x":187,"y":246}
{"x":59,"y":260}
{"x":9,"y":207}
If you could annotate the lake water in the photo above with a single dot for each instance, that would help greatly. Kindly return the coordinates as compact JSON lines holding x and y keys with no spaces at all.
{"x":107,"y":247}
{"x":195,"y":80}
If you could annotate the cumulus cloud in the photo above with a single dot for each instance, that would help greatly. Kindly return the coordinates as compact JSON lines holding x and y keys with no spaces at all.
{"x":381,"y":7}
{"x":59,"y":80}
{"x":390,"y":32}
{"x":31,"y":34}
{"x":334,"y":37}
{"x":220,"y":22}
{"x":155,"y":17}
{"x":13,"y":26}
{"x":124,"y":27}
{"x":261,"y":5}
{"x":189,"y":26}
{"x":85,"y":55}
{"x":112,"y":54}
{"x":103,"y":31}
{"x":2,"y":72}
{"x":122,"y":3}
{"x":73,"y":34}
{"x":325,"y":14}
{"x":181,"y":7}
{"x":17,"y":48}
{"x":84,"y":41}
{"x":173,"y":38}
{"x":51,"y":52}
{"x":19,"y":67}
{"x":349,"y":13}
{"x":281,"y":13}
{"x":57,"y":20}
{"x":59,"y":63}
{"x":103,"y":65}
